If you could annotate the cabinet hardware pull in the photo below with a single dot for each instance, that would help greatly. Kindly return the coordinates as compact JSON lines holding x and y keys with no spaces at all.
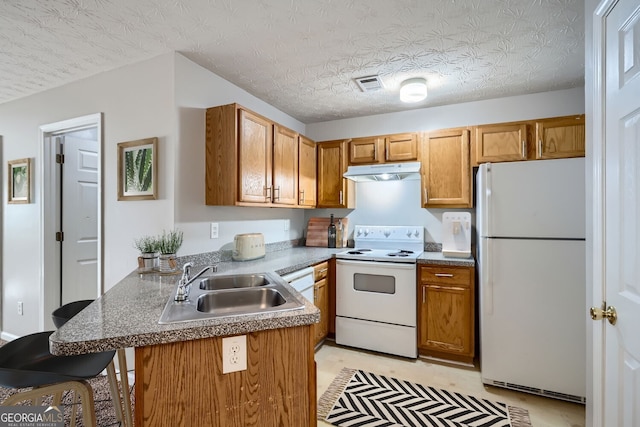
{"x":426,"y":196}
{"x":301,"y":196}
{"x":443,"y":275}
{"x":424,"y":290}
{"x":540,"y":148}
{"x":274,"y":193}
{"x":324,"y":270}
{"x":450,"y":288}
{"x":267,"y":192}
{"x":524,"y":149}
{"x":340,"y":201}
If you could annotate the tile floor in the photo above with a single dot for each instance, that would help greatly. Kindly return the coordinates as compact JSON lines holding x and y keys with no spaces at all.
{"x":544,"y":412}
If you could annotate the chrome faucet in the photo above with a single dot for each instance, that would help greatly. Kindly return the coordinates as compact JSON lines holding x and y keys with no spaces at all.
{"x":184,"y":285}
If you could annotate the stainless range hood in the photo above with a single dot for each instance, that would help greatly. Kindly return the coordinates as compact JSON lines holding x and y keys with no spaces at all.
{"x":384,"y":172}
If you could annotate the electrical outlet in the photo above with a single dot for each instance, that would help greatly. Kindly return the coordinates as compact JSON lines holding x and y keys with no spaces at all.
{"x":234,"y":354}
{"x":214,"y":230}
{"x":20,"y":308}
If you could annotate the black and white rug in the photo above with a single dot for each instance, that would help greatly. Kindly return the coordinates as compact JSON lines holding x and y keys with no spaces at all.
{"x":362,"y":399}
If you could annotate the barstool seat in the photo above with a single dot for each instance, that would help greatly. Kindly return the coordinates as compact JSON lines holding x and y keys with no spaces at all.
{"x":27,"y":362}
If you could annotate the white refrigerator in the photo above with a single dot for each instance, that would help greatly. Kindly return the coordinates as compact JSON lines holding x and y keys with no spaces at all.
{"x":531,"y":266}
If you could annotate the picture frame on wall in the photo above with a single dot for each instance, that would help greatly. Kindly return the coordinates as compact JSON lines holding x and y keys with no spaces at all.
{"x":138,"y":169}
{"x":19,"y":181}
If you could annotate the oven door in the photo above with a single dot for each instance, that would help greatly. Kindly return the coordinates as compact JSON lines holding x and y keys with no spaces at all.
{"x":376,"y":291}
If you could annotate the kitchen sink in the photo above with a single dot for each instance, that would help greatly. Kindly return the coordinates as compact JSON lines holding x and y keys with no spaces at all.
{"x":217,"y":297}
{"x":230,"y":282}
{"x":239,"y":300}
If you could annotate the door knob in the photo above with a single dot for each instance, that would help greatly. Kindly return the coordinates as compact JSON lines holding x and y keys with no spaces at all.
{"x":599,"y":314}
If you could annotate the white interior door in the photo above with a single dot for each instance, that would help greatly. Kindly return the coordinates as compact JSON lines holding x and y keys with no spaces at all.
{"x":79,"y":219}
{"x":621,"y":207}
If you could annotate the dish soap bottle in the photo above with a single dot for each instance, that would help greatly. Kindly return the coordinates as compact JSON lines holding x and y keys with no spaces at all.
{"x":331,"y":231}
{"x":339,"y":231}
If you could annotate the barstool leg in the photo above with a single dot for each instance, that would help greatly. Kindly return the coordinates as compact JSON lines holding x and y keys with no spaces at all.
{"x":80,"y":389}
{"x":124,"y":379}
{"x":115,"y":391}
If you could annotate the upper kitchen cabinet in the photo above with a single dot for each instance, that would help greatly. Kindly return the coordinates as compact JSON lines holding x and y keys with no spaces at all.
{"x":380,"y":149}
{"x":250,"y":160}
{"x":401,"y":147}
{"x":306,"y":172}
{"x":501,"y":142}
{"x":446,"y":174}
{"x":365,"y":150}
{"x":285,"y":166}
{"x":554,"y":138}
{"x":560,"y":137}
{"x":334,"y":191}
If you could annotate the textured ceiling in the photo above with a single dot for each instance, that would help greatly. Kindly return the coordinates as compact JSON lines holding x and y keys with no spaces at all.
{"x":301,"y":56}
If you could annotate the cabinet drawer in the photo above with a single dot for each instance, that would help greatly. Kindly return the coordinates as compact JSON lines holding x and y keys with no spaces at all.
{"x":446,"y":275}
{"x":320,"y":271}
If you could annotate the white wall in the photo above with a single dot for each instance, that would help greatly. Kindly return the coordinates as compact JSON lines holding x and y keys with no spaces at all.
{"x":400,"y":202}
{"x":525,"y":107}
{"x":137,"y":103}
{"x":196,"y":90}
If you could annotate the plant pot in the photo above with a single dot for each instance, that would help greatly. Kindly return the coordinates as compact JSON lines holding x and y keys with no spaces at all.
{"x":148,"y":261}
{"x":167,"y":263}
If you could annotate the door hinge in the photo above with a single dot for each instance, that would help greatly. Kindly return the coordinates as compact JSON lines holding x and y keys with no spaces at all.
{"x":59,"y":236}
{"x":60,"y":158}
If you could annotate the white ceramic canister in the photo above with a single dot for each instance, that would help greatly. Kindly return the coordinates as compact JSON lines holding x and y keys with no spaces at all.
{"x":248,"y":246}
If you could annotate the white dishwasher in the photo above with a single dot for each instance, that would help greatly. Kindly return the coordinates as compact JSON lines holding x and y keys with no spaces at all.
{"x":302,"y":281}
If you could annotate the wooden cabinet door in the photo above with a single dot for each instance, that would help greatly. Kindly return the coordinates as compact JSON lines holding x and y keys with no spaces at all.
{"x":306,"y":172}
{"x":364,"y":150}
{"x":446,"y":319}
{"x":446,"y":174}
{"x":501,"y":143}
{"x":255,"y":141}
{"x":446,"y":325}
{"x":560,"y":137}
{"x":285,"y":166}
{"x":401,"y":147}
{"x":321,"y":300}
{"x":332,"y":188}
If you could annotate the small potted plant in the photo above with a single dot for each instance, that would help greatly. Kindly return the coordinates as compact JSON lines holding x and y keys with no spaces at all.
{"x":168,"y":245}
{"x":148,"y":247}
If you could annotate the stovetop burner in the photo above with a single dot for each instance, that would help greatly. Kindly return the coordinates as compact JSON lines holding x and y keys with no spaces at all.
{"x":386,"y":243}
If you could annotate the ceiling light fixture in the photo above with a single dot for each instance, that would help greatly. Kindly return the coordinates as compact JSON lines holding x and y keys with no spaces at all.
{"x":413,"y":90}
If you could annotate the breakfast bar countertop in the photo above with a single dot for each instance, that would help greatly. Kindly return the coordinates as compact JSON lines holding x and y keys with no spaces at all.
{"x":127,"y":314}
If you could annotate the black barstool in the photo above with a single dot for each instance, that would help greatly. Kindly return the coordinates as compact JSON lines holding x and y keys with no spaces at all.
{"x":27,"y":363}
{"x":65,"y":312}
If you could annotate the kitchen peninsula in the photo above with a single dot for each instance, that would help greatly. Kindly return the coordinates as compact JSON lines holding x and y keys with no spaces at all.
{"x":179,"y":379}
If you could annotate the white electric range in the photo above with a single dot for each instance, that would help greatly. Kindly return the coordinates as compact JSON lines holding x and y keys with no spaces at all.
{"x":376,"y":289}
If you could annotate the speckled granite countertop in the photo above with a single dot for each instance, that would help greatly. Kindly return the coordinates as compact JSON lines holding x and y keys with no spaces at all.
{"x":436,"y":258}
{"x":127,"y":315}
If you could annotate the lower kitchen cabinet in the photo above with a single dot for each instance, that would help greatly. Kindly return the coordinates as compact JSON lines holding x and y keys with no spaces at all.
{"x":321,"y":300}
{"x":446,"y":312}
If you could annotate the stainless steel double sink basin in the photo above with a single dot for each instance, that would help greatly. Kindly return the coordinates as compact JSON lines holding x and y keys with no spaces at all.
{"x":231,"y":295}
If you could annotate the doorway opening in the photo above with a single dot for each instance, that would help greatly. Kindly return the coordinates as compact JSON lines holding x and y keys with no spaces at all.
{"x":71,"y":194}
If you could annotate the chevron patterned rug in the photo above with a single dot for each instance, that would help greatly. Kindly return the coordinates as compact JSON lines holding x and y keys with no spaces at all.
{"x":363,"y":399}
